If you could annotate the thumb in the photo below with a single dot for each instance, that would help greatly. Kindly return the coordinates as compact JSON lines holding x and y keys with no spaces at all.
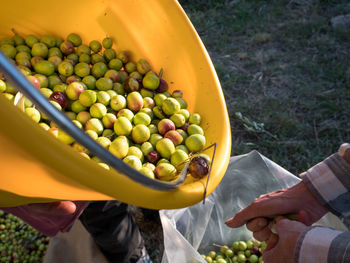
{"x":282,"y":224}
{"x":271,"y":242}
{"x":277,"y":227}
{"x":289,"y":230}
{"x":59,"y":208}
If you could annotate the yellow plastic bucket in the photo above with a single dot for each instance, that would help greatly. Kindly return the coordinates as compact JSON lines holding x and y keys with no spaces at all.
{"x":36,"y":167}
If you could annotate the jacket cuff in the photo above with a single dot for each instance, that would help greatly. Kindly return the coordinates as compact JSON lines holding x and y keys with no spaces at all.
{"x":329,"y":182}
{"x":313,"y":245}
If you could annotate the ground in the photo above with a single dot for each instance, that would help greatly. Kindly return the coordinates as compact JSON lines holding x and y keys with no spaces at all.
{"x":283,"y":66}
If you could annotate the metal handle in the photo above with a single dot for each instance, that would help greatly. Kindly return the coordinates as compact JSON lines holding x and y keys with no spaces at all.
{"x":16,"y":78}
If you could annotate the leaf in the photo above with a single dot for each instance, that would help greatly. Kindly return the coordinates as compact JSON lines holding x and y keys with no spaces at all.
{"x":238,"y":115}
{"x":247,"y":127}
{"x":19,"y":101}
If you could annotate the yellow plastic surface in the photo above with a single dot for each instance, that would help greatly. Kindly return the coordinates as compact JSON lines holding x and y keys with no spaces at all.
{"x":36,"y":167}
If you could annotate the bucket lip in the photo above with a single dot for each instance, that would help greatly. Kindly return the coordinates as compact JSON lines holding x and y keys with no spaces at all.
{"x":188,"y":189}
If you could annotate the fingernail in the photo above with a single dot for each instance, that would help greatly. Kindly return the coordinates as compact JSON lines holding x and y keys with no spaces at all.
{"x":273,"y":229}
{"x":261,"y":223}
{"x":229,"y":222}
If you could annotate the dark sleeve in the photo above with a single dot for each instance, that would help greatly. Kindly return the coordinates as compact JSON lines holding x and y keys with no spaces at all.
{"x":114,"y":230}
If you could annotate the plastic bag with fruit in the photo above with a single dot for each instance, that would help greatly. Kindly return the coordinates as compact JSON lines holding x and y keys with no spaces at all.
{"x":201,"y":228}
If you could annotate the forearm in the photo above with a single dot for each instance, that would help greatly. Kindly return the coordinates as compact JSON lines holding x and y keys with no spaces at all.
{"x":48,"y":224}
{"x":329,"y":182}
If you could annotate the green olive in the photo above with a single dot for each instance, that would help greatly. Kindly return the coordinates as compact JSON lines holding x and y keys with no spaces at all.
{"x":119,"y":147}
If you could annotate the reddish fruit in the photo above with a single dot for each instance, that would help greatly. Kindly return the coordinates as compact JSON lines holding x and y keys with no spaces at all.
{"x":74,"y":90}
{"x":140,"y":84}
{"x":131,"y":84}
{"x":198,"y":167}
{"x":174,"y":136}
{"x":35,"y":60}
{"x":113,"y":75}
{"x":124,"y":56}
{"x":134,"y":101}
{"x":72,"y":79}
{"x":152,"y":156}
{"x":185,"y":127}
{"x":67,"y":47}
{"x":60,"y":98}
{"x":255,"y":251}
{"x":165,"y":125}
{"x":34,"y":81}
{"x":177,"y":94}
{"x":163,"y":86}
{"x":148,"y":103}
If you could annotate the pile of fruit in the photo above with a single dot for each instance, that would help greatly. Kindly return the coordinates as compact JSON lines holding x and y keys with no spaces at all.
{"x":240,"y":251}
{"x":20,"y":242}
{"x":124,"y":105}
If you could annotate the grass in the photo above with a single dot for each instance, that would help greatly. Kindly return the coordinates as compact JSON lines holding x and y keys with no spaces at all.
{"x":283,"y":65}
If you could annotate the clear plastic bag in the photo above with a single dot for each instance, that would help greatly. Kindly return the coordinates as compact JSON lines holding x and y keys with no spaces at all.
{"x":197,"y":228}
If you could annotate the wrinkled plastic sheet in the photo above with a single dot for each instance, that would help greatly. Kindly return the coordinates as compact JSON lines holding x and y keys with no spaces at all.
{"x":194,"y":230}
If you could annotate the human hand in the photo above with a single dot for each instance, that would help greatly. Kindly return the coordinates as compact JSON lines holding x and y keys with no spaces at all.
{"x":49,"y":218}
{"x":59,"y":208}
{"x":280,"y":247}
{"x":296,"y":199}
